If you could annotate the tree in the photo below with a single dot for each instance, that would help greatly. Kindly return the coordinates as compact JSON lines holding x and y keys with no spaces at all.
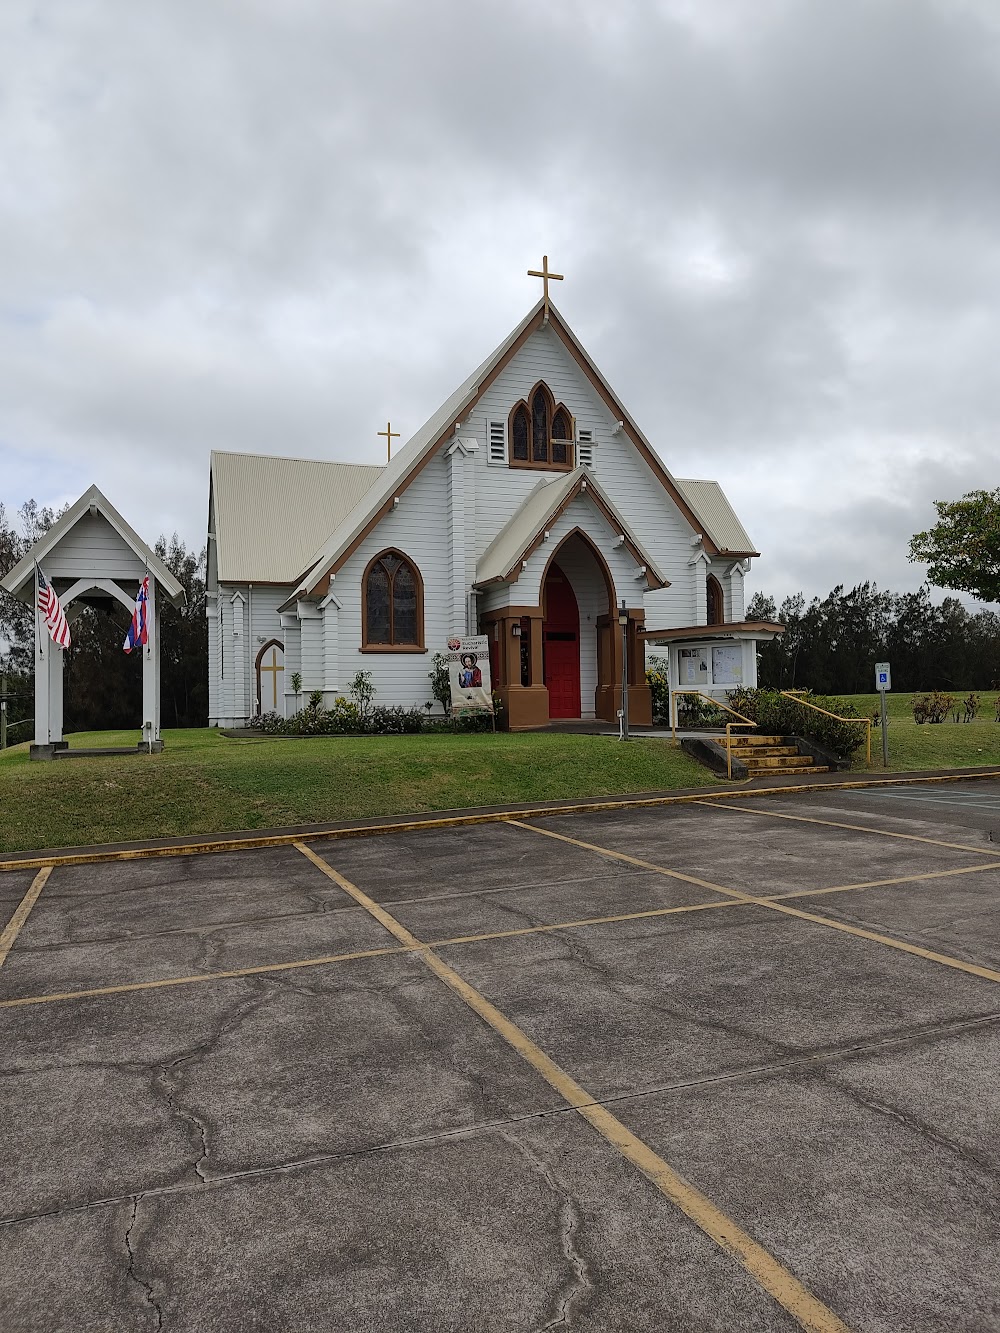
{"x":962,"y":549}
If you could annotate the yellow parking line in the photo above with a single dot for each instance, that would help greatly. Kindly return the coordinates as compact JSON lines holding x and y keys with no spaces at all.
{"x":883,"y":883}
{"x":986,"y":973}
{"x":195,"y":978}
{"x":771,"y":1275}
{"x":21,"y":913}
{"x":854,"y":828}
{"x":731,"y":899}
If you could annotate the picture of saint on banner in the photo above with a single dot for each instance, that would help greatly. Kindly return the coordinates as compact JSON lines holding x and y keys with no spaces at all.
{"x":469,"y":674}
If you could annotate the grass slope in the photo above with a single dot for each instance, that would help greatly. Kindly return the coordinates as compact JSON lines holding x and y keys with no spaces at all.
{"x":207,"y":783}
{"x":943,"y":745}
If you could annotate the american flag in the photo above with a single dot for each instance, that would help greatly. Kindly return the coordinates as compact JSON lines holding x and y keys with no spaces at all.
{"x":137,"y":631}
{"x":52,"y":612}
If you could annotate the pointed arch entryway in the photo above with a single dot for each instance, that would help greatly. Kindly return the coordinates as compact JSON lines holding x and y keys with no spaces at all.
{"x":269,"y":667}
{"x":577,"y":604}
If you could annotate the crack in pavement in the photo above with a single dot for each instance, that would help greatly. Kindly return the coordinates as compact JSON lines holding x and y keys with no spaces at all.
{"x":166,"y":1084}
{"x":917,"y":1126}
{"x":131,"y":1273}
{"x":578,"y":1282}
{"x":324,"y":1159}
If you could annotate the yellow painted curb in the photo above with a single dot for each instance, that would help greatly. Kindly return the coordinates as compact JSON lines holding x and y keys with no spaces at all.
{"x":249,"y":842}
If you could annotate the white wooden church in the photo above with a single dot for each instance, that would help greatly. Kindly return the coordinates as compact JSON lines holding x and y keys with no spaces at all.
{"x":530,"y":507}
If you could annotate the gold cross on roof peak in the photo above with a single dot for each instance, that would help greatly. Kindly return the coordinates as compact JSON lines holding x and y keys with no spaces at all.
{"x":390,"y":435}
{"x":546,"y":278}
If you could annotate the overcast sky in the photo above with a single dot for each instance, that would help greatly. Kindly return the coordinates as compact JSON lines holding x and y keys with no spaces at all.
{"x":271,"y":224}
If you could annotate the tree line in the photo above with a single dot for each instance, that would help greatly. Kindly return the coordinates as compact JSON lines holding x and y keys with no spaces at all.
{"x":103,"y":684}
{"x":831,"y":644}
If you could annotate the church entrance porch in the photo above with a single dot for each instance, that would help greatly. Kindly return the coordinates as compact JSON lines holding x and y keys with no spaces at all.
{"x":562,"y":660}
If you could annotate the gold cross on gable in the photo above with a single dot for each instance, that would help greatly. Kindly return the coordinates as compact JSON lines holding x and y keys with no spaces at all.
{"x":546,"y":277}
{"x":390,"y":435}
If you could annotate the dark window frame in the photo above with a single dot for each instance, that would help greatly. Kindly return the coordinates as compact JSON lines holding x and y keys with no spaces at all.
{"x":405,"y":561}
{"x":551,"y":445}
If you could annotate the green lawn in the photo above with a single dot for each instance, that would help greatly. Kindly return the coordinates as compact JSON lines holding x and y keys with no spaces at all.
{"x":204,"y":782}
{"x":942,"y":745}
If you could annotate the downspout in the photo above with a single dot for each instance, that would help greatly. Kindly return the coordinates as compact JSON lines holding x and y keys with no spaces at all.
{"x":251,"y":674}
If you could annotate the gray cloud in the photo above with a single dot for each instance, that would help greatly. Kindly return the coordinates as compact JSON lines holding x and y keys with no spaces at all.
{"x":270,"y":226}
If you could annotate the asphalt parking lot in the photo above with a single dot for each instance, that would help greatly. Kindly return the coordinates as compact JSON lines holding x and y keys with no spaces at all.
{"x":721,"y":1066}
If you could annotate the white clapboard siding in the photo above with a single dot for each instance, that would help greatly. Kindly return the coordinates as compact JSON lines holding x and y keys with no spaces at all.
{"x":232,"y":655}
{"x":418,"y":527}
{"x":92,"y":546}
{"x":635,"y":489}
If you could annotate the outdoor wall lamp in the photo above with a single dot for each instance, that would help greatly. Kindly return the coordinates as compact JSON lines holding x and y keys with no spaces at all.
{"x":516,"y":631}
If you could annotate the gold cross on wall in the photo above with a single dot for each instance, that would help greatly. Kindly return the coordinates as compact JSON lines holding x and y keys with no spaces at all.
{"x":546,"y":277}
{"x":390,"y":435}
{"x":273,"y":667}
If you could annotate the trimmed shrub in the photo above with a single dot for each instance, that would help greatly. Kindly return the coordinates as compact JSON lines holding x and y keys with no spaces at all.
{"x":933,"y":707}
{"x":779,"y":716}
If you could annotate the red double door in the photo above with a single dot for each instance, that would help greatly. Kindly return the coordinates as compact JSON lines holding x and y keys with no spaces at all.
{"x":561,"y":645}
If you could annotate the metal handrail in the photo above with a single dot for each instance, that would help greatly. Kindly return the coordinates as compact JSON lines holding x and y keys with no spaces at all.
{"x":864,"y":721}
{"x":716,"y":703}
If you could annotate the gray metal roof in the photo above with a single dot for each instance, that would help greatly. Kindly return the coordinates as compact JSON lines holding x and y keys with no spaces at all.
{"x":717,"y":516}
{"x":271,"y":515}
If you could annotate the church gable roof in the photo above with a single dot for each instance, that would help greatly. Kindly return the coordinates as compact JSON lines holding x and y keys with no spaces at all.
{"x":501,"y":561}
{"x":90,"y":503}
{"x":719,"y":520}
{"x":270,"y":515}
{"x":328,"y":557}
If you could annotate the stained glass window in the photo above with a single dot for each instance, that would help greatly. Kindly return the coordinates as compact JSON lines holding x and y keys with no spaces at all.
{"x":541,"y":434}
{"x":392,"y":609}
{"x":520,"y":434}
{"x":539,"y":428}
{"x":378,"y":604}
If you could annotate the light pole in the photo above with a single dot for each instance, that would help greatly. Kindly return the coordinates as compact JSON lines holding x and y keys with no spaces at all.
{"x":623,"y":621}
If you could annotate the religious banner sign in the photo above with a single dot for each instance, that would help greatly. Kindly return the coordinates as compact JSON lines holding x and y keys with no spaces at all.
{"x":469,"y":674}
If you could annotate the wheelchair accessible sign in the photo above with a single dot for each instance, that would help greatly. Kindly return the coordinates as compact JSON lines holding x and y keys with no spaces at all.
{"x":883,"y":677}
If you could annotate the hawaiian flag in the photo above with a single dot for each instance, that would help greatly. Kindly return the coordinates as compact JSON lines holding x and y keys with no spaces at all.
{"x":137,"y":631}
{"x":52,"y":612}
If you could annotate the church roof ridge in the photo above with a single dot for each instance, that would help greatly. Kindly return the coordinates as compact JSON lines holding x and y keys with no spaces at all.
{"x":293,"y":458}
{"x":415,"y":454}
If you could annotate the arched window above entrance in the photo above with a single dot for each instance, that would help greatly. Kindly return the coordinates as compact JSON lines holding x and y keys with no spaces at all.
{"x":393,"y":610}
{"x":541,"y":432}
{"x":714,"y":601}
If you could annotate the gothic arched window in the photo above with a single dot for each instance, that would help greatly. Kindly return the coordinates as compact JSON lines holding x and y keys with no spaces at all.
{"x":541,"y":432}
{"x":714,"y":601}
{"x":393,"y":610}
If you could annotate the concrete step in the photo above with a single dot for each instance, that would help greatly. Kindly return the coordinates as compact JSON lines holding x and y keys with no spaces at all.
{"x":748,"y":751}
{"x":756,"y":772}
{"x":793,"y":760}
{"x":740,"y":742}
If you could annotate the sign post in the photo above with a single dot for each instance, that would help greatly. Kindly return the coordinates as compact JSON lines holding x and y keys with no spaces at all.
{"x":883,"y":683}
